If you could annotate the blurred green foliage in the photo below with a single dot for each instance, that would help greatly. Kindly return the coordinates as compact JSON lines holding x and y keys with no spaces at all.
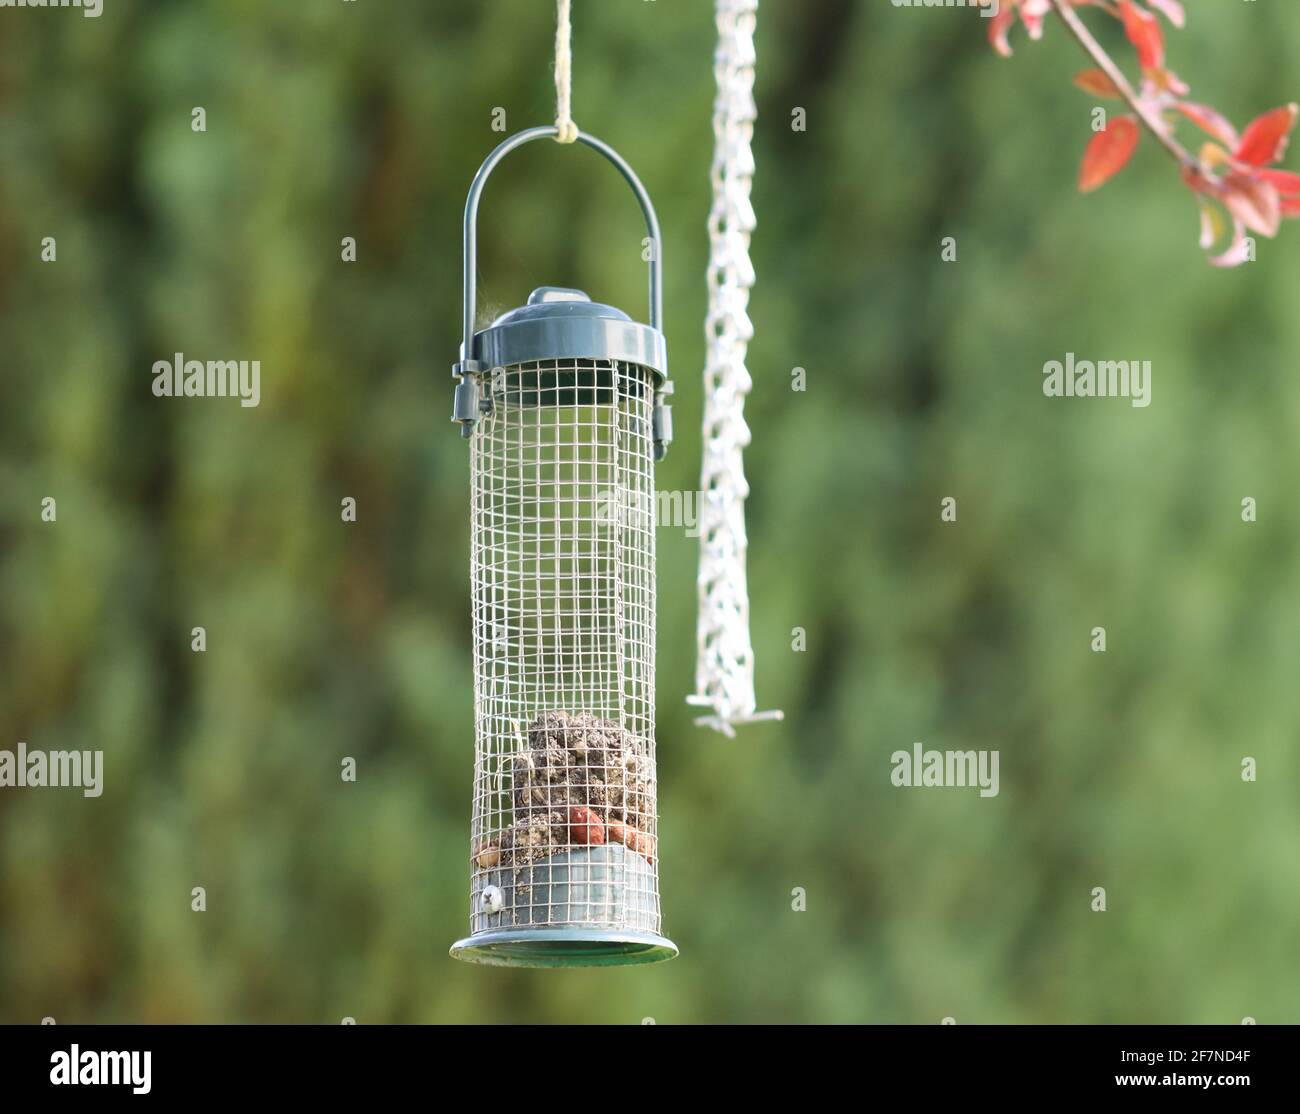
{"x":325,"y":640}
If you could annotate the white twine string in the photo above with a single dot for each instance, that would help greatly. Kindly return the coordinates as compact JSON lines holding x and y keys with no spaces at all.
{"x":568,"y":130}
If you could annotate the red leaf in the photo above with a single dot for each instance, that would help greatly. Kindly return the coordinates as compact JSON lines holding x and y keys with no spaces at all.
{"x":1210,"y":121}
{"x":1031,"y":15}
{"x":1144,"y":33}
{"x":1254,"y":203}
{"x":1170,"y":82}
{"x":1238,"y":251}
{"x":999,"y":25}
{"x":1107,"y":153}
{"x":1172,"y":9}
{"x":1286,"y":183}
{"x":1097,"y":83}
{"x":1265,"y":138}
{"x":1198,"y":183}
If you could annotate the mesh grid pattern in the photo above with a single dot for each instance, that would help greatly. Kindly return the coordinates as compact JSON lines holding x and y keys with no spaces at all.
{"x":563,"y":548}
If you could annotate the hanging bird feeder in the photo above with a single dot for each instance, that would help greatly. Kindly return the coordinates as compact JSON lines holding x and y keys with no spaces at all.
{"x":562,"y":401}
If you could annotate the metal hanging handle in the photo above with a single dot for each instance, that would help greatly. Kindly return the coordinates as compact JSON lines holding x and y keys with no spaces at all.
{"x":470,"y":294}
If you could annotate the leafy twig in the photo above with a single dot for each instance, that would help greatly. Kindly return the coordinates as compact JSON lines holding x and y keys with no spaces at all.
{"x":1107,"y":65}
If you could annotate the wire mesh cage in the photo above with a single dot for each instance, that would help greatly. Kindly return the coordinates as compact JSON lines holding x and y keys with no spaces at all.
{"x":562,"y":401}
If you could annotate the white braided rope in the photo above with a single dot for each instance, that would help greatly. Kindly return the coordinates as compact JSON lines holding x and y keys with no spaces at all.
{"x":568,"y":130}
{"x":724,"y":666}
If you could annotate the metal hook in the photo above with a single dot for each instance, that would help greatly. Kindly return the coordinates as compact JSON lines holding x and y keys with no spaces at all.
{"x":471,"y":231}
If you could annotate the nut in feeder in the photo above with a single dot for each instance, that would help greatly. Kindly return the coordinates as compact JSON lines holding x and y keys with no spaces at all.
{"x":562,"y":401}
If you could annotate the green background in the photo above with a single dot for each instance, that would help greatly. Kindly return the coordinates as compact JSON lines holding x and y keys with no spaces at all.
{"x":328,"y":640}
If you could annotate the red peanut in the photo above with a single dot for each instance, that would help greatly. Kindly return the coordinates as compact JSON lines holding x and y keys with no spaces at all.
{"x":585,"y":826}
{"x":634,"y":839}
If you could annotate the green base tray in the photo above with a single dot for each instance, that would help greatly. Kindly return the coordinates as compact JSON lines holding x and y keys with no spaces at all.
{"x":563,"y":947}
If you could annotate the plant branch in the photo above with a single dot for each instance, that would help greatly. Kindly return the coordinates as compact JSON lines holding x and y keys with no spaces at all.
{"x":1153,"y":124}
